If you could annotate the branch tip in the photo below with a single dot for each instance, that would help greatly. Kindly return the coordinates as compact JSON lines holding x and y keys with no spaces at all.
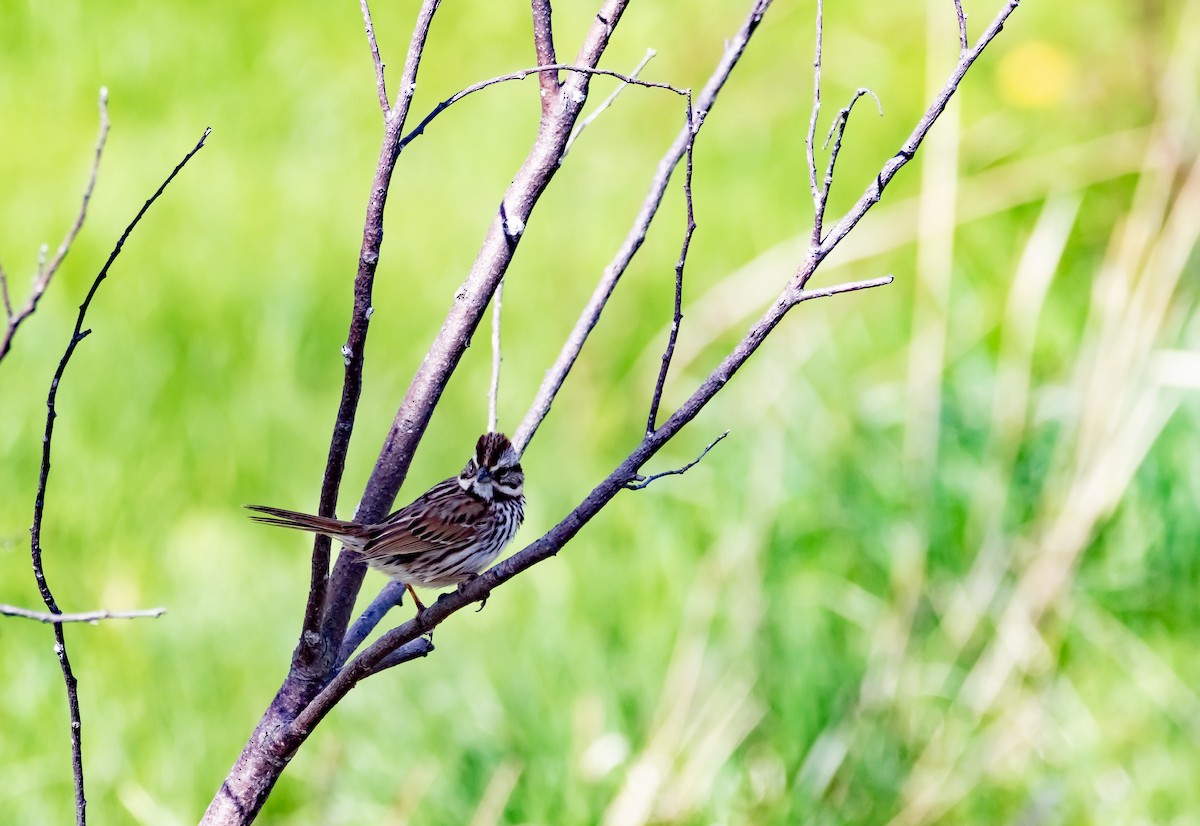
{"x":638,"y":482}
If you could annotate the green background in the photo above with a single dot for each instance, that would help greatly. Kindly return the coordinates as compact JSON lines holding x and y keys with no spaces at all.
{"x":944,"y":567}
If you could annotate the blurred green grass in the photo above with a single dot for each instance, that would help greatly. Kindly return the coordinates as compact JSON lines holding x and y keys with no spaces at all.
{"x":831,"y":620}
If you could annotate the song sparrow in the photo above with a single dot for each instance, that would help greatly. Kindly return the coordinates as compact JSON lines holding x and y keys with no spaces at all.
{"x":448,"y":535}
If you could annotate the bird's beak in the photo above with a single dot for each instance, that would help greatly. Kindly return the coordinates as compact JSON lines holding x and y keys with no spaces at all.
{"x":482,"y":475}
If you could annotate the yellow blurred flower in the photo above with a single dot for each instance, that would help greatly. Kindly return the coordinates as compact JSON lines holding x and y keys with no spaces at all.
{"x":1036,"y":75}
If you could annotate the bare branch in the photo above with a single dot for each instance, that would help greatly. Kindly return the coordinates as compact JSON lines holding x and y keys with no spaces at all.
{"x":637,"y":233}
{"x":90,"y":617}
{"x":543,"y":47}
{"x":316,"y":652}
{"x":811,"y":143}
{"x":677,"y":318}
{"x":46,"y":271}
{"x":875,"y":191}
{"x":849,"y":287}
{"x":412,"y":62}
{"x":380,"y":81}
{"x":521,"y":74}
{"x":607,"y":102}
{"x":839,"y":128}
{"x":494,"y":387}
{"x":35,"y":532}
{"x":639,"y":482}
{"x":963,"y":42}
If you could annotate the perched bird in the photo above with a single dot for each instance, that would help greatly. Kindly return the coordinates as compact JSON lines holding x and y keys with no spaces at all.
{"x":448,"y":535}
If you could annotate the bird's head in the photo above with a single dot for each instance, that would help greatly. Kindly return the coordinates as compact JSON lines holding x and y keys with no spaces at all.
{"x":495,"y":470}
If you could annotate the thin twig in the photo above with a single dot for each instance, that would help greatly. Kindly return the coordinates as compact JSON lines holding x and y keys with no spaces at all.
{"x":35,"y":532}
{"x":91,"y":617}
{"x":963,"y":42}
{"x":590,"y":315}
{"x":494,"y":387}
{"x":521,"y":74}
{"x":46,"y":271}
{"x":380,"y":81}
{"x":543,"y":47}
{"x":607,"y":102}
{"x":838,"y":128}
{"x":836,"y":289}
{"x":811,"y":142}
{"x":677,"y":318}
{"x":639,"y":482}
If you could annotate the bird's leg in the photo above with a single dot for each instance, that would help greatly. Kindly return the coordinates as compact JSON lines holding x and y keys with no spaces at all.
{"x":416,"y":599}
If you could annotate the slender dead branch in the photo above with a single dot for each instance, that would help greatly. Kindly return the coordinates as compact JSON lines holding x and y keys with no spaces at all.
{"x":906,"y":152}
{"x":810,"y":145}
{"x":316,"y":653}
{"x":607,"y":102}
{"x":46,"y":271}
{"x":590,"y":315}
{"x":90,"y":617}
{"x":380,"y":80}
{"x":521,"y":74}
{"x":638,"y":482}
{"x":801,"y":296}
{"x":677,"y":318}
{"x":35,"y":532}
{"x":543,"y":47}
{"x":963,"y":42}
{"x":839,"y":129}
{"x":494,"y":387}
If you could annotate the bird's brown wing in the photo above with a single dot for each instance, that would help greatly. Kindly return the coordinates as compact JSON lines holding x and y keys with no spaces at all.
{"x":443,"y":518}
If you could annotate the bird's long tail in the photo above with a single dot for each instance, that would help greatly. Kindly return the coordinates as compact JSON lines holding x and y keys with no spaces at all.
{"x":334,"y":528}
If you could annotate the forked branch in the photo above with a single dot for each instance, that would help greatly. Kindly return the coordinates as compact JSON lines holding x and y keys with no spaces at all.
{"x":46,"y":270}
{"x":677,"y":317}
{"x":310,"y":693}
